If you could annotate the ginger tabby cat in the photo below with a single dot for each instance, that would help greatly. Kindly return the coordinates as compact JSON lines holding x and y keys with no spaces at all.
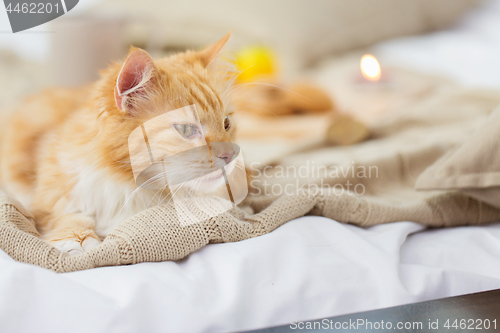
{"x":64,"y":153}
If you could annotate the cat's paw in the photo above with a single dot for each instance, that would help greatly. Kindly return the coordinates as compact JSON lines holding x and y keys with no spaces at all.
{"x":74,"y":247}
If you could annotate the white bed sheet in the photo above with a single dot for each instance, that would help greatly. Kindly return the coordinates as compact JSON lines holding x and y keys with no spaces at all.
{"x":309,"y":268}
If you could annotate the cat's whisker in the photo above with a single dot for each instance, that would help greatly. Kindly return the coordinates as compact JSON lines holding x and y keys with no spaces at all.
{"x":274,"y":86}
{"x":263,"y":109}
{"x":233,"y":80}
{"x":160,"y":190}
{"x":141,"y":187}
{"x":172,"y":194}
{"x":191,"y":191}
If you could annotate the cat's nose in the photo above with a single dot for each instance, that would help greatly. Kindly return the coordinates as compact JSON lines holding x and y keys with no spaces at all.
{"x":227,"y":157}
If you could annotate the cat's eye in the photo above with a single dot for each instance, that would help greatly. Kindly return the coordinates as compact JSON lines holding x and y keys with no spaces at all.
{"x":185,"y":130}
{"x":227,"y":123}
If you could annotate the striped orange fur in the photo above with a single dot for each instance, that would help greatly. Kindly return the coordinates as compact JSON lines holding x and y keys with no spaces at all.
{"x":64,"y":152}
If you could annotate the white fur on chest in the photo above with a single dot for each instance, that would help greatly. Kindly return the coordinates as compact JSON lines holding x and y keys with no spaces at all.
{"x":109,"y":201}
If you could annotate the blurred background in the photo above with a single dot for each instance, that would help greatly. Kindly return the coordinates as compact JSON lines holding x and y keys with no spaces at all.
{"x":70,"y":50}
{"x":420,"y":45}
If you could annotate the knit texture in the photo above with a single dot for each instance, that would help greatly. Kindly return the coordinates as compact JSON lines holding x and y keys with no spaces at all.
{"x":402,"y":146}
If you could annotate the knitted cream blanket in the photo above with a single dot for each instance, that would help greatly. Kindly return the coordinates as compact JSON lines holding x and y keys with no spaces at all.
{"x":402,"y":146}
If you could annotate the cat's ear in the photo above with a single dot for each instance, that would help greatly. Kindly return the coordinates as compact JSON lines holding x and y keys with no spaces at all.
{"x":209,"y":54}
{"x":136,"y":72}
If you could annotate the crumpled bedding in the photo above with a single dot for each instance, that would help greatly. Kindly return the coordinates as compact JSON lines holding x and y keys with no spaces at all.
{"x":403,"y":144}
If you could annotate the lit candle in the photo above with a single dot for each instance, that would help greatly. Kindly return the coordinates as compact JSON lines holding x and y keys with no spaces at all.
{"x":371,"y":73}
{"x":370,"y":68}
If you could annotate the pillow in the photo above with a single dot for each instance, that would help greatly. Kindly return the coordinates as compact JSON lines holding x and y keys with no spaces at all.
{"x":473,"y":168}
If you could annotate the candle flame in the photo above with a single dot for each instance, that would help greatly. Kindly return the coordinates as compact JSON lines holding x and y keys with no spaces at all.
{"x":370,"y":68}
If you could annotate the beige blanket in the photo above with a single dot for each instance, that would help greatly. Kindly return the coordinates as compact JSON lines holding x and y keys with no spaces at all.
{"x":403,"y":145}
